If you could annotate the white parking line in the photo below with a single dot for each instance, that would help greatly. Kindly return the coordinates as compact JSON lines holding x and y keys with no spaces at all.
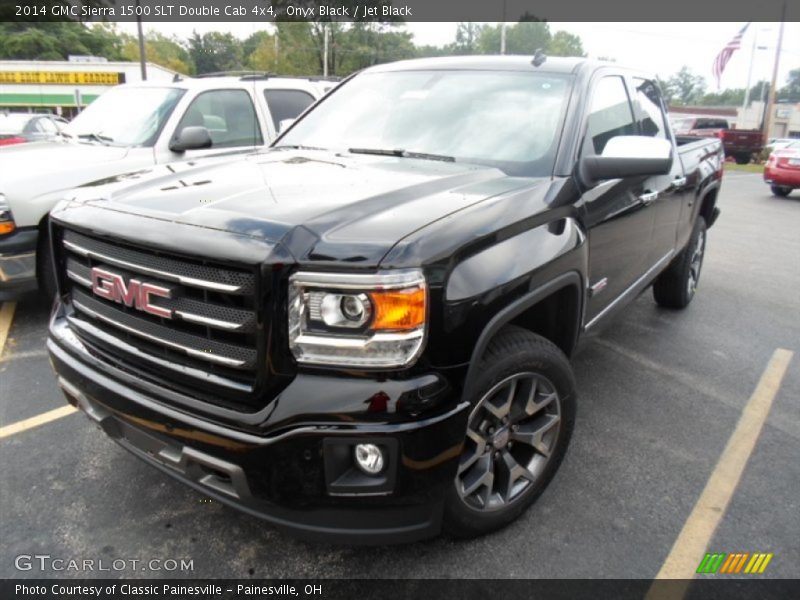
{"x":6,"y":316}
{"x":41,"y":419}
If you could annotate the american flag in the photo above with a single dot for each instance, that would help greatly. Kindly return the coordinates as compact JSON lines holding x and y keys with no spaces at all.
{"x":725,"y":54}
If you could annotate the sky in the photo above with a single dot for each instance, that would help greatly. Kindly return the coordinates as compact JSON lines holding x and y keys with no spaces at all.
{"x":662,"y":48}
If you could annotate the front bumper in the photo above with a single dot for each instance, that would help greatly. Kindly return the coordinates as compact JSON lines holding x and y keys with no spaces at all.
{"x":285,"y":474}
{"x":18,"y":259}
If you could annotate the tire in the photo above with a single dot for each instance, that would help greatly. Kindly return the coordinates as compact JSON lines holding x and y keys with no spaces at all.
{"x":676,"y":286}
{"x":543,"y":414}
{"x":742,"y":159}
{"x":780,"y":190}
{"x":45,"y":271}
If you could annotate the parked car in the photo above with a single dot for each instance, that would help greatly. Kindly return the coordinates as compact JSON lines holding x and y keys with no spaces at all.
{"x":363,"y":332}
{"x":782,"y":171}
{"x":741,"y":144}
{"x":18,"y":128}
{"x":779,"y":143}
{"x":133,"y":127}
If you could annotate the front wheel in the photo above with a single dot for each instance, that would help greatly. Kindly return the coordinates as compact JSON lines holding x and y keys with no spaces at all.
{"x":781,"y":191}
{"x":676,"y":286}
{"x":519,"y":427}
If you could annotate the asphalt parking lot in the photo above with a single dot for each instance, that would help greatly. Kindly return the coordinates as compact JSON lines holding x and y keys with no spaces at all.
{"x":661,"y":392}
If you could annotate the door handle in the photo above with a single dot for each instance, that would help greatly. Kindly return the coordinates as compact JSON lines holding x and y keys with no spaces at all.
{"x":648,"y":198}
{"x":678,"y":182}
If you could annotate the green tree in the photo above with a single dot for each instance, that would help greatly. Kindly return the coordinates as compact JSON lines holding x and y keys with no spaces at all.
{"x":467,"y":35}
{"x":159,"y":49}
{"x":565,"y":44}
{"x":791,"y":91}
{"x":521,"y":38}
{"x":50,"y":40}
{"x":365,"y":44}
{"x":685,"y":87}
{"x":214,"y":51}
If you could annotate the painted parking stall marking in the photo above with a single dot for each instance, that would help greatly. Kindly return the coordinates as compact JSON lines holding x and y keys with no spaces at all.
{"x":688,"y":554}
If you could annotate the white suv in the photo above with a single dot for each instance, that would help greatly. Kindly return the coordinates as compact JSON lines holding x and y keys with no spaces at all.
{"x":134,"y":127}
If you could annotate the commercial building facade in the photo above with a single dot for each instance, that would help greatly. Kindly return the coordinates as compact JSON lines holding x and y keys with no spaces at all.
{"x":64,"y":87}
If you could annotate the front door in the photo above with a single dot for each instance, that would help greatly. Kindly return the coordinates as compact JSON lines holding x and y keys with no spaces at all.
{"x":619,"y":219}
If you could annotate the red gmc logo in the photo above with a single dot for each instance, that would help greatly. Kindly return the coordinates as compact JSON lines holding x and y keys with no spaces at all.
{"x":135,"y":293}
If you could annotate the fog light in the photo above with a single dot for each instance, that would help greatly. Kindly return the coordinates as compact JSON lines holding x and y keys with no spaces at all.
{"x":369,"y":458}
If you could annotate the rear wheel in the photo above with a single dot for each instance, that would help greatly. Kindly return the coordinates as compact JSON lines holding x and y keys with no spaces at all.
{"x":781,"y":191}
{"x":676,"y":286}
{"x":518,"y":431}
{"x":742,"y":159}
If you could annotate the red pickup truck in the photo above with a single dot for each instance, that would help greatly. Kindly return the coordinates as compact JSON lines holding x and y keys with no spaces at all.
{"x":741,"y":144}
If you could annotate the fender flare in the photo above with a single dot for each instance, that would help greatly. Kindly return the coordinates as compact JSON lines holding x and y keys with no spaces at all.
{"x":516,"y":308}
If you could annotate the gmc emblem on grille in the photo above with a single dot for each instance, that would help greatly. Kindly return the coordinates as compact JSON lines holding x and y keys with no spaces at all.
{"x":135,"y":293}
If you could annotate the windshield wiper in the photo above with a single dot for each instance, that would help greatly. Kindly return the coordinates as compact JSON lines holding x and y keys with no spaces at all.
{"x":103,"y":139}
{"x":296,"y":147}
{"x":402,"y":154}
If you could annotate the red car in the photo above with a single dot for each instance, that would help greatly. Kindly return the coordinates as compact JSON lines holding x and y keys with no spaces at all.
{"x":782,"y":172}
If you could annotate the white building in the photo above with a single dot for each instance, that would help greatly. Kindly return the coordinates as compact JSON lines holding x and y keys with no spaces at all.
{"x":63,"y":87}
{"x":785,"y":119}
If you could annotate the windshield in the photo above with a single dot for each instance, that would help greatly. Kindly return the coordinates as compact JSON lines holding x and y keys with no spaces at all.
{"x":507,"y":119}
{"x":125,"y":116}
{"x":13,"y":123}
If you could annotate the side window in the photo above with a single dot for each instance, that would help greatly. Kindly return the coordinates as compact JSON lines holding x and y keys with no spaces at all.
{"x":32,"y":126}
{"x":609,"y":115}
{"x":228,"y":115}
{"x":286,"y":104}
{"x":48,"y":126}
{"x":649,"y":115}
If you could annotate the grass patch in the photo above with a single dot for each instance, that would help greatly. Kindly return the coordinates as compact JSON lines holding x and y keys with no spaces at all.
{"x":748,"y":168}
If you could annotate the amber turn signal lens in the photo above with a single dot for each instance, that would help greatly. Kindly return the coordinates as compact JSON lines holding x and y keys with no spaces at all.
{"x":398,"y":309}
{"x":7,"y":227}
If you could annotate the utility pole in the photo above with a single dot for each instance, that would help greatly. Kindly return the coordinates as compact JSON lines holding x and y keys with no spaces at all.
{"x":772,"y":89}
{"x":277,"y":49}
{"x":326,"y":33}
{"x":142,"y":57}
{"x":503,"y":30}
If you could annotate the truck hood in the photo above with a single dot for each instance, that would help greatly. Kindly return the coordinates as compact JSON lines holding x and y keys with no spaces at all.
{"x":321,"y":206}
{"x":36,"y":168}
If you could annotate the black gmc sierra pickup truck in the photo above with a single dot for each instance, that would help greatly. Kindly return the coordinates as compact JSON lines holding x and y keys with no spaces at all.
{"x":362,"y":333}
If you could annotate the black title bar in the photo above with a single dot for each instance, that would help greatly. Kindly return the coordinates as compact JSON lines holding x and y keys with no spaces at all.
{"x":396,"y":10}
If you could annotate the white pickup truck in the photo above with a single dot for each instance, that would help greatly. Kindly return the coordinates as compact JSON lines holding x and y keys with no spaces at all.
{"x":130,"y":128}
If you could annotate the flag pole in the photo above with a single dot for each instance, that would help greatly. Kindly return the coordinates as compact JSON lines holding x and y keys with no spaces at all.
{"x":772,"y":88}
{"x":749,"y":75}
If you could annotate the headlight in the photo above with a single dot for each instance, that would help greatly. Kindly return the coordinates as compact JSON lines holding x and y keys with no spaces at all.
{"x":7,"y":224}
{"x":356,"y":320}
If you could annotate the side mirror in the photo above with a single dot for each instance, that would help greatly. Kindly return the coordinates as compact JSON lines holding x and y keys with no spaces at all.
{"x":627,"y":156}
{"x":284,"y":124}
{"x":191,"y":138}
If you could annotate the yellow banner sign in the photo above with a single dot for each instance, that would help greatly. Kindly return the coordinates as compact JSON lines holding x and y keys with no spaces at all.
{"x":61,"y":77}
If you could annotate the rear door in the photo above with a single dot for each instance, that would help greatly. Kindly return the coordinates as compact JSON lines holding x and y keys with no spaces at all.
{"x":286,"y":104}
{"x":620,"y":223}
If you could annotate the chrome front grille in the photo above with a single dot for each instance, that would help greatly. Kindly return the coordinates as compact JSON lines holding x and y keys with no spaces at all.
{"x":208,"y":348}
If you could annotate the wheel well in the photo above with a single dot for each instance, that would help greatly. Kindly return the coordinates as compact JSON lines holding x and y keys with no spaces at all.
{"x":555,"y":318}
{"x":43,"y":235}
{"x":707,"y":205}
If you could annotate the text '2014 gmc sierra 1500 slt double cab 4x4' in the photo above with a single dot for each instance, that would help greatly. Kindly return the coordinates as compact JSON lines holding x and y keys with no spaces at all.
{"x":362,"y":333}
